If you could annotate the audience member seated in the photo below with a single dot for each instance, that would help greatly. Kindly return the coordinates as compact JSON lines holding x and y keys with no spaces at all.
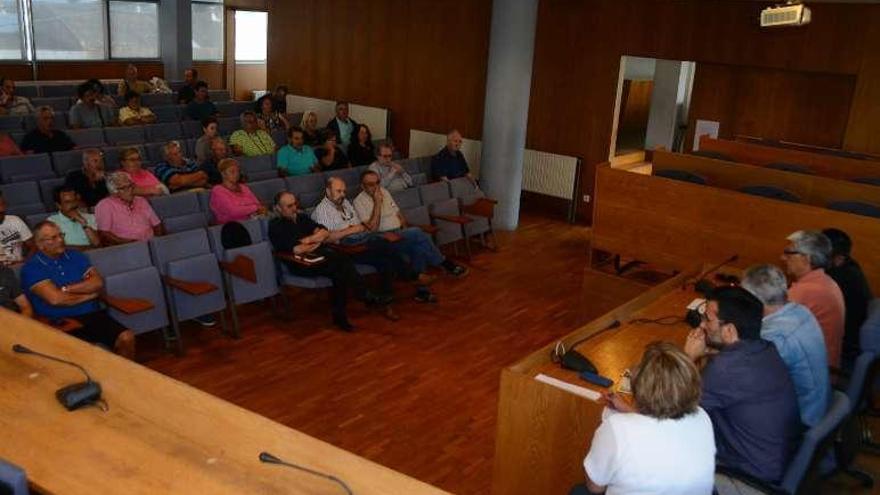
{"x":449,"y":163}
{"x":342,"y":125}
{"x":279,"y":99}
{"x":61,"y":283}
{"x":250,"y":140}
{"x":296,"y":158}
{"x":662,"y":443}
{"x":747,"y":390}
{"x":8,"y":146}
{"x":89,"y":182}
{"x":178,"y":172}
{"x":87,"y":112}
{"x":123,"y":217}
{"x":848,"y":275}
{"x":379,"y":212}
{"x":361,"y":151}
{"x":292,"y":231}
{"x":337,"y":214}
{"x":309,"y":125}
{"x":132,"y":83}
{"x":232,"y":201}
{"x":392,"y":175}
{"x":79,"y":228}
{"x":267,"y":118}
{"x":101,"y":95}
{"x":133,"y":113}
{"x":219,"y":151}
{"x":188,"y":92}
{"x":806,"y":257}
{"x":15,"y":237}
{"x":203,"y":144}
{"x":145,"y":183}
{"x":798,"y":338}
{"x":200,"y":108}
{"x":11,"y":295}
{"x":11,"y":104}
{"x":330,"y":156}
{"x":45,"y":138}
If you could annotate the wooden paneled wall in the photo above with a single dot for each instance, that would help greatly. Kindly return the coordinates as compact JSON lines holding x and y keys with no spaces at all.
{"x":635,"y":104}
{"x":425,"y":60}
{"x":579,"y":45}
{"x":214,"y":73}
{"x":47,"y":71}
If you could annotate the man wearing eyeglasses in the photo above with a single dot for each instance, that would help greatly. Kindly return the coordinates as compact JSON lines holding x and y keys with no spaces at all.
{"x":391,"y":175}
{"x":747,"y":390}
{"x":805,"y":257}
{"x":124,"y":217}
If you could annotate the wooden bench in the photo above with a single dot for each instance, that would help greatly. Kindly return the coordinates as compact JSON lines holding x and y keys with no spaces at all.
{"x":675,"y":224}
{"x":823,"y":165}
{"x":822,"y":150}
{"x":811,"y":189}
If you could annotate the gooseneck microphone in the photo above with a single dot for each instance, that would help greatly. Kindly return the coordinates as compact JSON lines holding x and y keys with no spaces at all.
{"x":268,"y":458}
{"x":73,"y":396}
{"x":702,"y":285}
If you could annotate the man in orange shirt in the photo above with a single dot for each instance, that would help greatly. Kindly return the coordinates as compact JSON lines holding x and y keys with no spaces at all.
{"x":805,"y":257}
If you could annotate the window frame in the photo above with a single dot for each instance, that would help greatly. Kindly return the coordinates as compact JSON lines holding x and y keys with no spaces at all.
{"x":222,"y":58}
{"x":109,"y":54}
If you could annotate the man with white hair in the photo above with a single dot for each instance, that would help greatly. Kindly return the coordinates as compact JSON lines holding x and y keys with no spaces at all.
{"x":798,"y":338}
{"x":392,"y":176}
{"x":178,"y":172}
{"x":449,"y":163}
{"x":124,"y":217}
{"x":806,"y":256}
{"x":89,"y":182}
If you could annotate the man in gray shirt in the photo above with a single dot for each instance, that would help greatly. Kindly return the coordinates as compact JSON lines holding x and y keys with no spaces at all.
{"x":87,"y":112}
{"x":391,"y":175}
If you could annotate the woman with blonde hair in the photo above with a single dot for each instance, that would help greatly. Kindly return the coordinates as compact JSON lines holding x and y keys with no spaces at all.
{"x":309,"y":125}
{"x":661,"y":444}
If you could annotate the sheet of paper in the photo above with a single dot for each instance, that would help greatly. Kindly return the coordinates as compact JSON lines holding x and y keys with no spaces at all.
{"x":569,"y":387}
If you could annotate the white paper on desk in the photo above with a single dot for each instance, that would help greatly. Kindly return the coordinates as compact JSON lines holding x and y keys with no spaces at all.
{"x":570,"y":387}
{"x":705,"y":128}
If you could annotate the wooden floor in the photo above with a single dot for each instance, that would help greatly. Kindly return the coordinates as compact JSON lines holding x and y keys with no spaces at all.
{"x":418,"y":395}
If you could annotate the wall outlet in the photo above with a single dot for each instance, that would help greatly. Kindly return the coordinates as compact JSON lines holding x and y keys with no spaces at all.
{"x":586,"y":198}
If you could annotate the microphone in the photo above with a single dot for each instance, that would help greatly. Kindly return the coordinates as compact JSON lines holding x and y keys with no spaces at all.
{"x":702,"y":285}
{"x":572,"y":359}
{"x":73,"y":396}
{"x":268,"y":458}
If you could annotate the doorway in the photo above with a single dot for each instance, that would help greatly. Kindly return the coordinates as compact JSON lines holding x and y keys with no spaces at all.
{"x":246,"y":43}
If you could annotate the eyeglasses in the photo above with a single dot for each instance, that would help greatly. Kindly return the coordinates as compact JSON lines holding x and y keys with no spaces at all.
{"x":791,"y":252}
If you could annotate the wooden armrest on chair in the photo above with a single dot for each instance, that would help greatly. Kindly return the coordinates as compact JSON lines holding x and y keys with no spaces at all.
{"x":192,"y":288}
{"x":461,"y":220}
{"x":429,"y":229}
{"x":242,"y":267}
{"x":128,"y":305}
{"x":349,"y":249}
{"x":66,"y":325}
{"x":482,"y":207}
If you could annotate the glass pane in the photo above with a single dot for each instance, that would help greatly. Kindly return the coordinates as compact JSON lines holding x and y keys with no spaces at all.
{"x":134,"y":30}
{"x":10,"y":31}
{"x":69,"y":29}
{"x":250,"y":36}
{"x":207,"y":31}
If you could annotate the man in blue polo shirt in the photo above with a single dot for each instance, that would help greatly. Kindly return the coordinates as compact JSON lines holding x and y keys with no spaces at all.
{"x":61,"y":283}
{"x":295,"y":158}
{"x":747,"y":390}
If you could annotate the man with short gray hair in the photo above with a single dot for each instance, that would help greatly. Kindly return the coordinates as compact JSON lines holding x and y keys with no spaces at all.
{"x":178,"y":172}
{"x":798,"y":338}
{"x":391,"y":175}
{"x":124,"y":217}
{"x":89,"y":182}
{"x":806,"y":256}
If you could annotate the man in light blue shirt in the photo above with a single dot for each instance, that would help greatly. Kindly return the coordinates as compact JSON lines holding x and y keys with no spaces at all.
{"x":295,"y":158}
{"x":79,"y":228}
{"x":798,"y":338}
{"x":342,"y":125}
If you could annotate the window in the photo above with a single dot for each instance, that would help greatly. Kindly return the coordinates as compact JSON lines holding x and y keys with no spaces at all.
{"x":250,"y":36}
{"x":134,"y":29}
{"x":69,"y":29}
{"x":11,"y":40}
{"x":207,"y":31}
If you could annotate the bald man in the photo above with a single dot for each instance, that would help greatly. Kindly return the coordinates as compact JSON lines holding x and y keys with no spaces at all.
{"x":449,"y":162}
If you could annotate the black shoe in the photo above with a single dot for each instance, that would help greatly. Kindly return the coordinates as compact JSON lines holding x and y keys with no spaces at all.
{"x":456,"y":271}
{"x":373,"y":299}
{"x":423,"y":295}
{"x":343,"y":324}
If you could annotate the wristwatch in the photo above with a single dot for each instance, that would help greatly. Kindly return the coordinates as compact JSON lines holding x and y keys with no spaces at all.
{"x":63,"y":288}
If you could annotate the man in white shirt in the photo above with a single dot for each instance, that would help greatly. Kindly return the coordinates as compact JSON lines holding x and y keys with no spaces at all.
{"x":392,"y":176}
{"x":10,"y":104}
{"x":16,"y":239}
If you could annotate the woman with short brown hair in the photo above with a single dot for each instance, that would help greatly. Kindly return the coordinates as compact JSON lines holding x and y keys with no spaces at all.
{"x":663,"y":444}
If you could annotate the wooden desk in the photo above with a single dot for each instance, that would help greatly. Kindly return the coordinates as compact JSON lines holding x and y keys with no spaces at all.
{"x":544,"y":433}
{"x":159,"y":436}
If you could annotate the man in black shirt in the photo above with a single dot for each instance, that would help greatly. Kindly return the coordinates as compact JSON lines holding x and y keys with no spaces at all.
{"x":45,"y":139}
{"x":89,"y":181}
{"x":188,"y":92}
{"x":856,"y":291}
{"x":11,"y":296}
{"x":295,"y":233}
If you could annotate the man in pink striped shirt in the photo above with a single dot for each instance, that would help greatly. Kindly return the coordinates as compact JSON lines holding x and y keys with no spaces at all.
{"x":806,"y":257}
{"x":123,"y":217}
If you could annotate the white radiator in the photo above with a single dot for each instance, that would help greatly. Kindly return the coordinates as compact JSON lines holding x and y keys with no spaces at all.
{"x":543,"y":173}
{"x":376,"y":118}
